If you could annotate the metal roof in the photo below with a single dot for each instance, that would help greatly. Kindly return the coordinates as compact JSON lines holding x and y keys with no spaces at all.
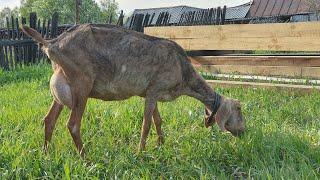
{"x":175,"y":13}
{"x":266,"y":8}
{"x":238,"y":12}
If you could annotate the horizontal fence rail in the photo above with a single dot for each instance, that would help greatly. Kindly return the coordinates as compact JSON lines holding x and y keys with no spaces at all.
{"x":270,"y":37}
{"x":283,"y":66}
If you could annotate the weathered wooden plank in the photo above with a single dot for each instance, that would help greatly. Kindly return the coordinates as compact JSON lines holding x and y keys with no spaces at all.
{"x":301,"y":61}
{"x":286,"y":87}
{"x":266,"y":79}
{"x":33,"y":48}
{"x":47,"y":29}
{"x":312,"y":72}
{"x":6,"y":58}
{"x":271,"y":37}
{"x":284,"y":71}
{"x":1,"y":57}
{"x":54,"y":25}
{"x":10,"y":58}
{"x":18,"y":48}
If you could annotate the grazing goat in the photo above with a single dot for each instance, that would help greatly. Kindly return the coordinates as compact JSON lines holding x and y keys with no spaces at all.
{"x":111,"y":63}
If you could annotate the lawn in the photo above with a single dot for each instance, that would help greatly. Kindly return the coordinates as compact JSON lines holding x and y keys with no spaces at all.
{"x":282,"y":140}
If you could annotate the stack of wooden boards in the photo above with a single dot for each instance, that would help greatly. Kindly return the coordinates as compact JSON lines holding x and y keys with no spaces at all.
{"x":288,"y":37}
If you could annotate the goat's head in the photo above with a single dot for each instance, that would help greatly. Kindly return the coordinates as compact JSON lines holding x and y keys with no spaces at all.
{"x":228,"y":117}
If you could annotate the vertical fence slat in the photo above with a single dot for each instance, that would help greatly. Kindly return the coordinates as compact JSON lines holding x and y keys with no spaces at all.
{"x":47,"y":29}
{"x":223,"y":15}
{"x":1,"y":57}
{"x":54,"y":25}
{"x":10,"y":34}
{"x":18,"y":47}
{"x":33,"y":47}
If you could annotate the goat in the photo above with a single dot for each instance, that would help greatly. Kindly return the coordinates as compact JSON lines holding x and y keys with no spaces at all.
{"x":111,"y":63}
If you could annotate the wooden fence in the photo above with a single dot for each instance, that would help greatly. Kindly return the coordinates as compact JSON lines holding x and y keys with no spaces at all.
{"x":300,"y":37}
{"x":270,"y":37}
{"x":273,"y":66}
{"x":16,"y":48}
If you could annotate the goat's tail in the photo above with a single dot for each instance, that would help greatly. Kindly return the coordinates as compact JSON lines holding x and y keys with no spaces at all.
{"x":34,"y":35}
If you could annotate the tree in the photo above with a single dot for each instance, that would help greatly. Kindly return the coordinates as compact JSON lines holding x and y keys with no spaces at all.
{"x":7,"y":12}
{"x":109,"y":8}
{"x":89,"y":10}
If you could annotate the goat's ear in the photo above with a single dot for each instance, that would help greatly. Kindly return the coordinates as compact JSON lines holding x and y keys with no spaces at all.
{"x":207,"y":120}
{"x":207,"y":112}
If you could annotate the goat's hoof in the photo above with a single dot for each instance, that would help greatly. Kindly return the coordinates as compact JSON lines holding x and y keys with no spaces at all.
{"x":140,"y":151}
{"x":45,"y":148}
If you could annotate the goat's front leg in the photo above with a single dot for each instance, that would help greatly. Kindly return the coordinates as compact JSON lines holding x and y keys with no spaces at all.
{"x":74,"y":123}
{"x":157,"y":122}
{"x":150,"y":105}
{"x":50,"y":122}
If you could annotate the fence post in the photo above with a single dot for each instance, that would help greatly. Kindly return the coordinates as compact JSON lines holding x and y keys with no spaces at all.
{"x":78,"y":4}
{"x":218,"y":17}
{"x":110,"y":19}
{"x":32,"y":49}
{"x":54,"y":25}
{"x":120,"y":21}
{"x":223,"y":15}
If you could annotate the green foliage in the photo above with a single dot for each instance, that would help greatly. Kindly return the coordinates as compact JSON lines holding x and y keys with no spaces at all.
{"x":90,"y":10}
{"x":109,"y":8}
{"x":7,"y":12}
{"x":282,"y":140}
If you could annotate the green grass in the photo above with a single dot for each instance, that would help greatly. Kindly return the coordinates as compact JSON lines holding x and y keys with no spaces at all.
{"x":282,"y":141}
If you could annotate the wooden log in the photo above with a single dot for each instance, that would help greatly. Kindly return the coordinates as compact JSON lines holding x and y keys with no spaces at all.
{"x":271,"y":37}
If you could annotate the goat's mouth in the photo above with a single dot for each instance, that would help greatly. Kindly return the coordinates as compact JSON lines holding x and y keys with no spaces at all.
{"x":208,"y":122}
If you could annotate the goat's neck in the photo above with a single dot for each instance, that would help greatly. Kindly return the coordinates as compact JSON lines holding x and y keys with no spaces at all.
{"x":199,"y":89}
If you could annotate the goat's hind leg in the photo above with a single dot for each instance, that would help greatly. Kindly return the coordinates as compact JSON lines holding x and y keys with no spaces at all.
{"x":50,"y":122}
{"x":150,"y":105}
{"x":157,"y":122}
{"x":74,"y":123}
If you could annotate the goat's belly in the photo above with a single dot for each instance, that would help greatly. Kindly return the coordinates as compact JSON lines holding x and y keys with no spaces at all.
{"x":117,"y":91}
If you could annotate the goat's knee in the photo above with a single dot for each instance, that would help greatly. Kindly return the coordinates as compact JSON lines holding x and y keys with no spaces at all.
{"x":73,"y":128}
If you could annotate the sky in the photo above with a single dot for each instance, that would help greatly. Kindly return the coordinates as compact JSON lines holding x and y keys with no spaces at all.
{"x":130,"y":5}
